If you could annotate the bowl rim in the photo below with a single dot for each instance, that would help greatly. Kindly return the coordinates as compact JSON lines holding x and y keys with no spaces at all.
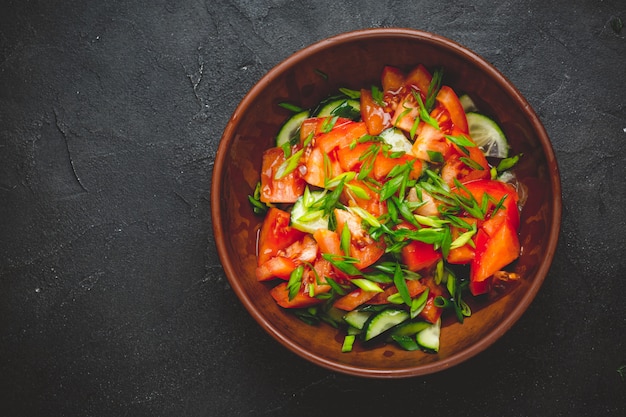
{"x":504,"y":84}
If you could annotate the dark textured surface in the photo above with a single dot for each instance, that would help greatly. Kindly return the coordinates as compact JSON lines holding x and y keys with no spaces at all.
{"x":112,"y":298}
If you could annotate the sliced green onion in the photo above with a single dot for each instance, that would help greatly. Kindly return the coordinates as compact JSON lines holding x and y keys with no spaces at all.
{"x":295,"y":281}
{"x":430,"y":221}
{"x":343,"y":177}
{"x":366,"y":285}
{"x":471,"y":163}
{"x":418,"y":304}
{"x":343,"y":263}
{"x":377,"y":95}
{"x":508,"y":163}
{"x":461,"y":140}
{"x":463,"y":238}
{"x":351,"y":93}
{"x":435,"y":156}
{"x":405,"y":342}
{"x":329,"y":123}
{"x":358,"y":191}
{"x":365,"y":215}
{"x":346,"y":238}
{"x":395,"y":298}
{"x":291,"y":107}
{"x":348,"y":343}
{"x":321,"y":74}
{"x":289,"y":165}
{"x":400,"y":283}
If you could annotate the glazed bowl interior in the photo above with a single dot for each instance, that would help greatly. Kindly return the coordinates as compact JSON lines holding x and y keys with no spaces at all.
{"x":355,"y":60}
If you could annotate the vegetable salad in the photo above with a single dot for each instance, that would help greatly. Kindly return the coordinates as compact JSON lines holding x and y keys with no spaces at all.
{"x":381,"y":212}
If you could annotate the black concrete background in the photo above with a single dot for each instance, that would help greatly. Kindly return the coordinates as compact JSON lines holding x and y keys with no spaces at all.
{"x":112,"y":298}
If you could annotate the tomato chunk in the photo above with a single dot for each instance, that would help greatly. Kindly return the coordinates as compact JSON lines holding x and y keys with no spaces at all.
{"x":283,"y":190}
{"x":419,"y":77}
{"x":373,"y":114}
{"x":276,"y":267}
{"x":497,"y":243}
{"x":340,"y":136}
{"x":430,"y":144}
{"x":391,"y":79}
{"x":280,"y":293}
{"x":450,"y":101}
{"x":354,"y":299}
{"x":328,"y":241}
{"x":418,"y":255}
{"x":362,"y":247}
{"x":315,"y":167}
{"x":492,"y":254}
{"x":431,"y":312}
{"x":276,"y":234}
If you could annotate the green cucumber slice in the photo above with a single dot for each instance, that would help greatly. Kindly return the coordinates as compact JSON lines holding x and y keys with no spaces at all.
{"x":487,"y":135}
{"x":428,"y":338}
{"x":290,"y":130}
{"x":383,"y":321}
{"x":397,"y":140}
{"x":305,"y":216}
{"x":356,"y":318}
{"x":468,"y":103}
{"x":345,"y":107}
{"x":410,"y":328}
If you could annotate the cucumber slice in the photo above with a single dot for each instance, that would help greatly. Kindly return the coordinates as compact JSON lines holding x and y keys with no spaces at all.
{"x":383,"y":321}
{"x":487,"y":135}
{"x":353,"y":331}
{"x":305,"y":216}
{"x":357,"y":319}
{"x":468,"y":103}
{"x":410,"y":328}
{"x":397,"y":140}
{"x":345,"y":107}
{"x":428,"y":338}
{"x":348,"y":342}
{"x":290,"y":130}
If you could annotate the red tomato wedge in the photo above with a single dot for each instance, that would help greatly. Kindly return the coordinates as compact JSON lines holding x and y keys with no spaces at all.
{"x":448,"y":99}
{"x":276,"y":267}
{"x":430,"y":144}
{"x":406,"y":112}
{"x":354,"y":299}
{"x":384,"y":164}
{"x":418,"y":256}
{"x":340,"y":136}
{"x":419,"y":77}
{"x":373,"y":114}
{"x":362,"y":247}
{"x":280,"y":293}
{"x":431,"y":312}
{"x":282,"y":190}
{"x":315,"y":167}
{"x":392,"y":79}
{"x":318,"y":125}
{"x":465,"y":163}
{"x":351,"y":157}
{"x":493,"y":252}
{"x":497,"y":190}
{"x":328,"y":241}
{"x":497,"y":243}
{"x":276,"y":234}
{"x":464,"y":254}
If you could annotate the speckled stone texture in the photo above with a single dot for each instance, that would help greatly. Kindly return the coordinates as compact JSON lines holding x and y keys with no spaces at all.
{"x":113,"y":301}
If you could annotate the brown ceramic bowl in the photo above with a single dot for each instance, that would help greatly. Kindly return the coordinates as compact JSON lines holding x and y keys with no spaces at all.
{"x":354,"y":60}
